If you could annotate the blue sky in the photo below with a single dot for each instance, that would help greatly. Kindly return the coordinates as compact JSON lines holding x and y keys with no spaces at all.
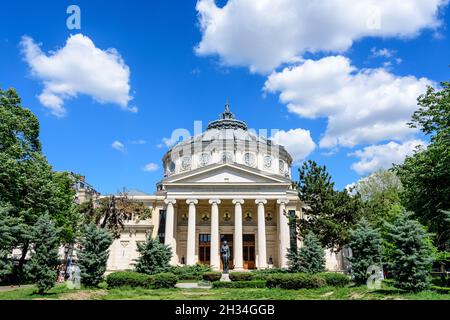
{"x":172,"y":84}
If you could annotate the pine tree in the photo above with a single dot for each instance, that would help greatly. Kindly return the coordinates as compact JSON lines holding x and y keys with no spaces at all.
{"x":293,"y":260}
{"x":365,"y":243}
{"x":311,"y":257}
{"x":411,"y":255}
{"x":44,"y":256}
{"x":93,"y":254}
{"x":154,"y":257}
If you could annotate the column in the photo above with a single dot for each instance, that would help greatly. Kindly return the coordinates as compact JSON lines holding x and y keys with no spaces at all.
{"x":283,"y":233}
{"x":190,"y":250}
{"x":237,"y":245}
{"x":215,"y":259}
{"x":262,"y":256}
{"x":168,"y":237}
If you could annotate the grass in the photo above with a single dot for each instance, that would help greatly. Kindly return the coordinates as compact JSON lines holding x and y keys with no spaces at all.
{"x":325,"y":293}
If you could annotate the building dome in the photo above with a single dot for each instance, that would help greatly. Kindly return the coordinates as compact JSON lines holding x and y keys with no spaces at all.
{"x":227,"y":140}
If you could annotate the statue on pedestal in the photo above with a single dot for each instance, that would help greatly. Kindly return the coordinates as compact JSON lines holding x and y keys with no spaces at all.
{"x":225,"y":254}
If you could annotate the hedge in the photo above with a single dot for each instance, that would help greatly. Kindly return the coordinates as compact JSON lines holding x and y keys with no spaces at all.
{"x":136,"y":279}
{"x":164,"y":280}
{"x":240,"y":284}
{"x":241,"y":276}
{"x":128,"y":278}
{"x":335,"y":279}
{"x":190,"y":272}
{"x":212,"y":276}
{"x":442,"y":290}
{"x":295,"y":281}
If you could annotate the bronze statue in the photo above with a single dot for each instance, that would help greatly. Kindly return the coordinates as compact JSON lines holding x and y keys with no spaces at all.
{"x":225,"y":254}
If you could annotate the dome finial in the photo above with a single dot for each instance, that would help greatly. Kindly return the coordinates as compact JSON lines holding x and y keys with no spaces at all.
{"x":227,"y":113}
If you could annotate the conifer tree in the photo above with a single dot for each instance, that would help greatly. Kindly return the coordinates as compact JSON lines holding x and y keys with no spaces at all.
{"x":93,"y":254}
{"x":154,"y":257}
{"x":293,"y":261}
{"x":44,"y":256}
{"x":365,"y":243}
{"x":411,"y":255}
{"x":311,"y":257}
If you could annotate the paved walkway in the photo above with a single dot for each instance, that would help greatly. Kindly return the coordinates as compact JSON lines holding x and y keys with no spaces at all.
{"x":11,"y":288}
{"x":191,"y":285}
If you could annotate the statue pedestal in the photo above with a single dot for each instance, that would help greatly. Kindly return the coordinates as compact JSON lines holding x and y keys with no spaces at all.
{"x":225,"y":277}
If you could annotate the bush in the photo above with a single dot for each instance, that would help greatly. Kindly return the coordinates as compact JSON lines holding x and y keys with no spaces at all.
{"x":295,"y":281}
{"x":240,"y":284}
{"x":128,"y":279}
{"x":241,"y":276}
{"x":334,"y":279}
{"x":212,"y":276}
{"x":441,"y":290}
{"x":190,"y":272}
{"x":153,"y":257}
{"x":164,"y":280}
{"x":262,"y":274}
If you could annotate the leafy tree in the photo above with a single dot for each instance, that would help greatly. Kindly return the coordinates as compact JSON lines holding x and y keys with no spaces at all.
{"x":412,"y":253}
{"x":154,"y":257}
{"x":113,"y":211}
{"x":9,"y":229}
{"x":380,"y":193}
{"x":366,"y":245}
{"x":426,"y":174}
{"x":27,"y":182}
{"x":328,"y":213}
{"x":93,"y":254}
{"x":311,"y":256}
{"x":44,"y":256}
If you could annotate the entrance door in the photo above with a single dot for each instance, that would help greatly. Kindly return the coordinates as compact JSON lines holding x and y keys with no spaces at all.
{"x":249,"y":251}
{"x":229,"y":239}
{"x":204,"y":248}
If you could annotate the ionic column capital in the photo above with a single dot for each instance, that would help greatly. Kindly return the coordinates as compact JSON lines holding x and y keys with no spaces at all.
{"x":170,"y":201}
{"x":260,"y":201}
{"x":214,"y":201}
{"x":283,"y":201}
{"x":192,"y":201}
{"x":236,"y":201}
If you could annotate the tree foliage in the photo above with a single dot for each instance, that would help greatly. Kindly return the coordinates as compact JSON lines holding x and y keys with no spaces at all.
{"x":310,"y":258}
{"x":93,"y":254}
{"x":380,"y":193}
{"x":153,"y":257}
{"x":44,"y":256}
{"x":411,"y":254}
{"x":426,"y":174}
{"x":328,"y":213}
{"x":366,"y":245}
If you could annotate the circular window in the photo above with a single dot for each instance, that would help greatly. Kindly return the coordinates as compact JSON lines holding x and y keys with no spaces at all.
{"x":227,"y":157}
{"x":172,"y":166}
{"x":204,"y":159}
{"x":267,"y":162}
{"x":186,"y":163}
{"x":249,"y":159}
{"x":282,"y":166}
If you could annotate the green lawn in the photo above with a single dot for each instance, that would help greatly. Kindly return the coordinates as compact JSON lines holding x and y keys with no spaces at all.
{"x":326,"y":293}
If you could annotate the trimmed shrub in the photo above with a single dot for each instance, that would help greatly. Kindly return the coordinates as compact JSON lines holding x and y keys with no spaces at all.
{"x":212,"y":276}
{"x":241,"y":276}
{"x":240,"y":284}
{"x":163,"y":280}
{"x":295,"y":281}
{"x":128,"y":279}
{"x":190,"y":272}
{"x":441,"y":290}
{"x":262,"y":274}
{"x":334,"y":279}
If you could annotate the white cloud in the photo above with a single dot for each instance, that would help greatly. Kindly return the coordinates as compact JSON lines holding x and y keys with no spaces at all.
{"x":385,"y":53}
{"x":362,"y":106}
{"x":374,"y":157}
{"x":79,"y":68}
{"x":150,"y":167}
{"x":139,"y":141}
{"x":168,"y":142}
{"x":298,"y":143}
{"x":119,"y":146}
{"x":262,"y":34}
